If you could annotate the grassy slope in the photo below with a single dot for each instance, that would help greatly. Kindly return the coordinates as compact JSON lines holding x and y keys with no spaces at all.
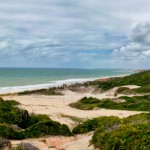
{"x":141,"y":79}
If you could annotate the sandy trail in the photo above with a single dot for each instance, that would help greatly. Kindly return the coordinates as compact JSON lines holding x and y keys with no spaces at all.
{"x":79,"y":142}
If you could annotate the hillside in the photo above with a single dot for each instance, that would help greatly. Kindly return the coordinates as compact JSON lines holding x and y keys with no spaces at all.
{"x":141,"y":79}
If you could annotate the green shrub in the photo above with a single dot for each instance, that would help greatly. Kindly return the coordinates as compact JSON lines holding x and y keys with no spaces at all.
{"x":11,"y":114}
{"x":37,"y":130}
{"x":137,"y":103}
{"x":86,"y":103}
{"x":137,"y":119}
{"x":6,"y":131}
{"x":89,"y":100}
{"x":37,"y":118}
{"x":140,"y":79}
{"x":33,"y":125}
{"x":125,"y":137}
{"x":141,"y":90}
{"x":50,"y":91}
{"x":47,"y":128}
{"x":91,"y":125}
{"x":121,"y":89}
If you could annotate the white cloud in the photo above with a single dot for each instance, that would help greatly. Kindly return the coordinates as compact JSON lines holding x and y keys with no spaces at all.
{"x":147,"y":53}
{"x":47,"y":29}
{"x":137,"y":52}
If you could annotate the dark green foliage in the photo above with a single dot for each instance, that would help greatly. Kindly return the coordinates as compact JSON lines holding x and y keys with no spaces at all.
{"x":11,"y":114}
{"x":47,"y":128}
{"x":86,"y":103}
{"x":122,"y":89}
{"x":125,"y":137}
{"x":37,"y":130}
{"x":37,"y":118}
{"x":138,"y":103}
{"x":137,"y":119}
{"x":6,"y":131}
{"x":33,"y":125}
{"x":140,"y":79}
{"x":112,"y":133}
{"x":50,"y":91}
{"x":102,"y":122}
{"x":140,"y":90}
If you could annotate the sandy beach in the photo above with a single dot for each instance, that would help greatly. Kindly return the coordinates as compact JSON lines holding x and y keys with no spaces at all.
{"x":57,"y":108}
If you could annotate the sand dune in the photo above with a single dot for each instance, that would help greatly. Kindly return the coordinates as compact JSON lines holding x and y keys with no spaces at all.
{"x":58,"y":109}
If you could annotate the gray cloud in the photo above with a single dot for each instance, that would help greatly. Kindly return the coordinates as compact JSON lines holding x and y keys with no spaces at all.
{"x":73,"y":30}
{"x":137,"y":52}
{"x":141,"y":33}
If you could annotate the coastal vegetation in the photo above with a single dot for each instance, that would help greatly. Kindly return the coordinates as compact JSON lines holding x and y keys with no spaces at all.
{"x":140,"y":79}
{"x":16,"y":123}
{"x":136,"y":103}
{"x":49,"y":91}
{"x":109,"y":133}
{"x":93,"y":124}
{"x":113,"y":133}
{"x":126,"y":136}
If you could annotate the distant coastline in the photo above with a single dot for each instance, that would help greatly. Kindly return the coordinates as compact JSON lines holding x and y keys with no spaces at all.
{"x":59,"y":83}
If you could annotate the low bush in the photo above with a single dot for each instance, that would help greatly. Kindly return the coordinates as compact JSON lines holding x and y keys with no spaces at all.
{"x":37,"y":118}
{"x":11,"y":114}
{"x":6,"y":131}
{"x":141,"y":90}
{"x":47,"y":128}
{"x":50,"y":91}
{"x":121,"y":90}
{"x":102,"y":122}
{"x":125,"y":137}
{"x":137,"y":119}
{"x":16,"y":123}
{"x":141,"y":79}
{"x":137,"y":103}
{"x":86,"y":103}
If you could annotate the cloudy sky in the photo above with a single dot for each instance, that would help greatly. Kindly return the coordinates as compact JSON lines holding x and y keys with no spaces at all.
{"x":75,"y":33}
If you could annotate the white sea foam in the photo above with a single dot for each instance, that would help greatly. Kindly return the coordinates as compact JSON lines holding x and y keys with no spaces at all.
{"x":16,"y":89}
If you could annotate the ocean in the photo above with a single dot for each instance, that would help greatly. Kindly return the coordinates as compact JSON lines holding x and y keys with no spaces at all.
{"x":22,"y":79}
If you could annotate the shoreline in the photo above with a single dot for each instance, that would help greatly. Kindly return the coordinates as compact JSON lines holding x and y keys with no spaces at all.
{"x":59,"y":83}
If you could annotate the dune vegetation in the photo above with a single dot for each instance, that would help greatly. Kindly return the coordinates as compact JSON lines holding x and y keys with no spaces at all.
{"x":112,"y":133}
{"x":135,"y":103}
{"x":140,"y":79}
{"x":49,"y":91}
{"x":16,"y":123}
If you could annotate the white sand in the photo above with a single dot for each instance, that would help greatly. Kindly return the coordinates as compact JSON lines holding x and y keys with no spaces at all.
{"x":56,"y":106}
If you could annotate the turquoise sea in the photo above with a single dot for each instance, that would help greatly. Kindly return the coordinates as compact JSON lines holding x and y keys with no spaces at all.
{"x":20,"y":79}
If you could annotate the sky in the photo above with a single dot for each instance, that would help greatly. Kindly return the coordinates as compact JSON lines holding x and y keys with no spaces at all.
{"x":75,"y":33}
